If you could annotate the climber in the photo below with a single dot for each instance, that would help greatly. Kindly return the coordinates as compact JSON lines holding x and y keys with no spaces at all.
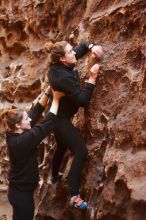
{"x":63,"y":76}
{"x":22,"y":138}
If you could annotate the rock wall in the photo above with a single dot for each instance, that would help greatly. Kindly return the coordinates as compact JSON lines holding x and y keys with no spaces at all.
{"x":114,"y":127}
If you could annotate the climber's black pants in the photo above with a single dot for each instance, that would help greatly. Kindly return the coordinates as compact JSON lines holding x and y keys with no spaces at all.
{"x":67,"y":136}
{"x":22,"y":204}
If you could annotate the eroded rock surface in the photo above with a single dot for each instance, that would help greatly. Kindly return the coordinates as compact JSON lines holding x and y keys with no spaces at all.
{"x":114,"y":127}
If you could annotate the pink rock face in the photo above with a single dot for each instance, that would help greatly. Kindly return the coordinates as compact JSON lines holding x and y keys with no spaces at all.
{"x":114,"y":127}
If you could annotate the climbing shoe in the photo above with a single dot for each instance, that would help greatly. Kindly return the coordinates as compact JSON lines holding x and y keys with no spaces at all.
{"x":77,"y":202}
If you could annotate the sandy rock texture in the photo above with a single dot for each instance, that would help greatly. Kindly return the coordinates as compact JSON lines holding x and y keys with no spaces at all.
{"x":114,"y":127}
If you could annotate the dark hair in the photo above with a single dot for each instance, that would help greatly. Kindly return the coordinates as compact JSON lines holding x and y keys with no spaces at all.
{"x":56,"y":50}
{"x":10,"y":117}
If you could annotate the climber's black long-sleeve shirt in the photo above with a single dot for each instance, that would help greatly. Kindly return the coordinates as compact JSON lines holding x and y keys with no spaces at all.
{"x":66,"y":79}
{"x":22,"y":149}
